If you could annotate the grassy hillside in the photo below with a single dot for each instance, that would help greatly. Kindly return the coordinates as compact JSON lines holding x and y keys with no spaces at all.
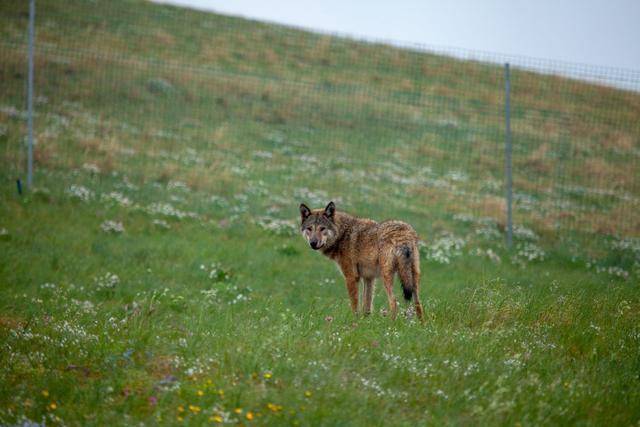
{"x":155,"y":274}
{"x":150,"y":77}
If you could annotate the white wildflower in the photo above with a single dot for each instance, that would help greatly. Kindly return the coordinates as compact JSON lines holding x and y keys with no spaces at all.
{"x":314,"y":198}
{"x":444,"y":249}
{"x":91,"y":168}
{"x":464,"y":218}
{"x":118,"y":198}
{"x":488,"y":253}
{"x":628,"y":244}
{"x":263,"y":154}
{"x":237,"y":170}
{"x":528,"y":252}
{"x":112,"y":227}
{"x":457,"y":176}
{"x":523,"y":233}
{"x":613,"y":271}
{"x":209,"y":295}
{"x":488,"y":232}
{"x":168,"y":210}
{"x":216,"y":272}
{"x":177,"y":185}
{"x":161,"y":223}
{"x":280,"y":227}
{"x":106,"y":281}
{"x":80,"y":192}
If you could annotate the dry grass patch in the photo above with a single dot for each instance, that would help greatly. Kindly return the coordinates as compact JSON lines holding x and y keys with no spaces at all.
{"x":492,"y":207}
{"x":215,"y":177}
{"x":168,"y":172}
{"x":619,"y":221}
{"x":604,"y":174}
{"x":425,"y":150}
{"x":46,"y":154}
{"x":538,"y":161}
{"x":163,"y":37}
{"x":620,"y":142}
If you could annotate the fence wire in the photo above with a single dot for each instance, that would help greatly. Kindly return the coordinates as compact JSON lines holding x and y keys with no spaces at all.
{"x":131,"y":94}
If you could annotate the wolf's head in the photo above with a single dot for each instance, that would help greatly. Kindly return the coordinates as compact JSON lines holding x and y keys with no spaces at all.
{"x":318,"y":226}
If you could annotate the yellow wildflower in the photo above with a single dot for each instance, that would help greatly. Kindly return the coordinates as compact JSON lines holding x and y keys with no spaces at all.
{"x":216,"y":418}
{"x":180,"y":408}
{"x":238,"y":410}
{"x":45,"y":393}
{"x":200,"y":393}
{"x":273,"y":407}
{"x":267,"y":375}
{"x":194,"y":408}
{"x":307,"y":393}
{"x":249,"y":415}
{"x":53,"y":406}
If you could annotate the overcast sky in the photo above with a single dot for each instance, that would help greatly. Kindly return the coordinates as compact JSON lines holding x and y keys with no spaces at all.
{"x":598,"y":32}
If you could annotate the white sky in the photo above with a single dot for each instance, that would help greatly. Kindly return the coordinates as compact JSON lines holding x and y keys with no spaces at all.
{"x":598,"y":32}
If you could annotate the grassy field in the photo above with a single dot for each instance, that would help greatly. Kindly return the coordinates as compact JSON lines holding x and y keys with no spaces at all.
{"x":155,"y":274}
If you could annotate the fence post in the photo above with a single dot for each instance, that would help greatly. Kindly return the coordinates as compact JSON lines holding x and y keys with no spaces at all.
{"x":32,"y":18}
{"x":507,"y":154}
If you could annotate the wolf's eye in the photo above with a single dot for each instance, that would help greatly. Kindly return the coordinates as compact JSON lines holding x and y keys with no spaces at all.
{"x":308,"y":229}
{"x":322,"y":229}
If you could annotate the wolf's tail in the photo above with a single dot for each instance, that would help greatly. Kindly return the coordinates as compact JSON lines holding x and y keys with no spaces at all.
{"x":407,"y":268}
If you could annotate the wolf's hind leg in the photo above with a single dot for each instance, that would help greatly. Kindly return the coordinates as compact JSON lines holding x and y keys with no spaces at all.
{"x":409,"y":272}
{"x":416,"y":296}
{"x":387,"y":279}
{"x":367,"y":299}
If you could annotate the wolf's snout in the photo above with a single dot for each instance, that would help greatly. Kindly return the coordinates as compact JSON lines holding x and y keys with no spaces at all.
{"x":314,"y":244}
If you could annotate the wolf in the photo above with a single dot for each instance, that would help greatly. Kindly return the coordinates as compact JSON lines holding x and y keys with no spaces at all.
{"x":365,"y":250}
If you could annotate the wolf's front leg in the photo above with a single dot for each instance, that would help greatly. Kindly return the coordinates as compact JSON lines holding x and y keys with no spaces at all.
{"x":367,"y":305}
{"x":352,"y":289}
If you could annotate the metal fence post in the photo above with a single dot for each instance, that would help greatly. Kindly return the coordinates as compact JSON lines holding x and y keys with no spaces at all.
{"x":32,"y":18}
{"x":507,"y":154}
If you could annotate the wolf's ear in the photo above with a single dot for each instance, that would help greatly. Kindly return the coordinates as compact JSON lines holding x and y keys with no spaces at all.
{"x":330,"y":210}
{"x":304,"y":211}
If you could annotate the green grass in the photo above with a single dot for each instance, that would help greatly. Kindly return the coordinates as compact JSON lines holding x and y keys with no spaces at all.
{"x":200,"y":134}
{"x":548,"y":343}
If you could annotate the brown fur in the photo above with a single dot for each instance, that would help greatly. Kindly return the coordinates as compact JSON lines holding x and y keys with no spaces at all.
{"x":364,"y":250}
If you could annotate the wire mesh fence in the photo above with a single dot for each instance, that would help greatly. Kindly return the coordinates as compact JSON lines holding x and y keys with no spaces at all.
{"x":252,"y":116}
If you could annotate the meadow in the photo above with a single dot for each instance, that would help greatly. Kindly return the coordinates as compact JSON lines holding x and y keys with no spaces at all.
{"x":155,"y":274}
